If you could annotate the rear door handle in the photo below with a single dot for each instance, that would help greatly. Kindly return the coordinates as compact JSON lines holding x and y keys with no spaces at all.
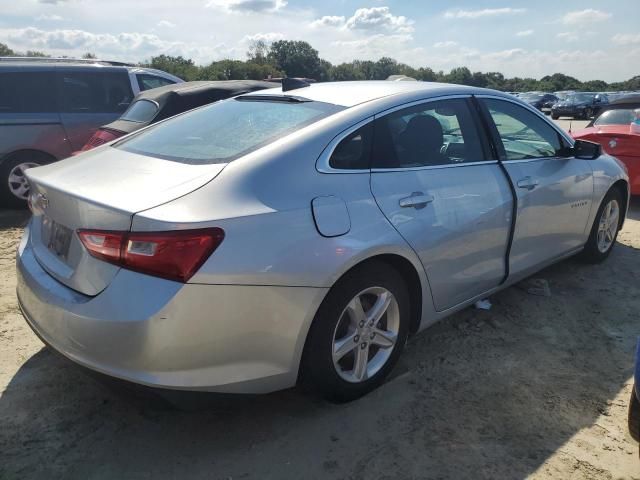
{"x":416,"y":200}
{"x":528,"y":183}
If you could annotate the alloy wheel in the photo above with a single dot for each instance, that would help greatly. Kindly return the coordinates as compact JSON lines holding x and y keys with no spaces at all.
{"x":366,"y":334}
{"x":18,"y":183}
{"x":608,"y":225}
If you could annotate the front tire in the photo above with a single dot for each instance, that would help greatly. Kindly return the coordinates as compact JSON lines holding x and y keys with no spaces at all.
{"x":605,"y":228}
{"x":357,"y":334}
{"x":555,"y":116}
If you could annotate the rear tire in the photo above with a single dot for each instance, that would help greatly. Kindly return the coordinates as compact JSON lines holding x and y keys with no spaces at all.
{"x":634,"y":416}
{"x":338,"y":327}
{"x":14,"y":189}
{"x":605,"y":228}
{"x":554,"y":116}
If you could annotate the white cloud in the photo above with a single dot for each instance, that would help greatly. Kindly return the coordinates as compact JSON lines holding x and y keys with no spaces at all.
{"x":49,"y":18}
{"x":122,"y":43}
{"x":581,"y":17}
{"x":626,"y":38}
{"x":568,"y":36}
{"x":486,"y":12}
{"x":265,"y":37}
{"x":445,"y":44}
{"x":524,"y":33}
{"x":248,"y":6}
{"x":166,"y":23}
{"x":328,"y":21}
{"x":379,"y":19}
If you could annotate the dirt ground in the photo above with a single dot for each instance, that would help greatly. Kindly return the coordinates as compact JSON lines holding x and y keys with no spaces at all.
{"x":536,"y":387}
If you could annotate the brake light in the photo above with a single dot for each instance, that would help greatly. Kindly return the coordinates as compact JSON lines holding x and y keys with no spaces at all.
{"x":175,"y":255}
{"x":101,"y":137}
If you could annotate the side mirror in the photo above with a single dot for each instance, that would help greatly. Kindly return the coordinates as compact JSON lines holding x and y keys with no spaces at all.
{"x":586,"y":150}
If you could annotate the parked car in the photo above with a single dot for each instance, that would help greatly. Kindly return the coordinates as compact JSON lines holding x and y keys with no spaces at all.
{"x":154,"y":105}
{"x":634,"y":401}
{"x":540,"y":101}
{"x":300,"y":235}
{"x":612,"y":129}
{"x":579,"y":105}
{"x":50,"y":107}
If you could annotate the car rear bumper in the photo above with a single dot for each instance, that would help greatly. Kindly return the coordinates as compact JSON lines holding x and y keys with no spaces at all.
{"x":220,"y":338}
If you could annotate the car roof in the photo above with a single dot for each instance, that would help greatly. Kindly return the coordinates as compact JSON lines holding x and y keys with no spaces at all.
{"x":200,"y":87}
{"x":349,"y":94}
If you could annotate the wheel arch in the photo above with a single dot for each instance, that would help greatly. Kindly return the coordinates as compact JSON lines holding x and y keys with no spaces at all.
{"x":623,"y":187}
{"x":29,"y":152}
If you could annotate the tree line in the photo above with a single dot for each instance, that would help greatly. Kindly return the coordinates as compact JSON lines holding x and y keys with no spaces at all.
{"x":295,"y":58}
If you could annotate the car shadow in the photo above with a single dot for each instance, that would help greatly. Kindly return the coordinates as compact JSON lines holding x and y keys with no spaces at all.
{"x":13,"y":218}
{"x":482,"y":394}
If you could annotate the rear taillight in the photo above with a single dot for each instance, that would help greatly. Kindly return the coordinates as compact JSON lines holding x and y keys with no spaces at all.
{"x":101,"y":137}
{"x":175,"y":255}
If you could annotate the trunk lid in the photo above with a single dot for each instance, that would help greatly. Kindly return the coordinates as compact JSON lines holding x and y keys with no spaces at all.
{"x":615,"y":140}
{"x":100,"y":189}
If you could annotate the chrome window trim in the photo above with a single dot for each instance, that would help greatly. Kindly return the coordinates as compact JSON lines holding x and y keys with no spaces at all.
{"x":528,"y":107}
{"x":434,"y":167}
{"x":322,"y":164}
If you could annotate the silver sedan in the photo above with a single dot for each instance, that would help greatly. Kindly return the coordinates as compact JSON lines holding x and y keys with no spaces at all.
{"x":300,"y":235}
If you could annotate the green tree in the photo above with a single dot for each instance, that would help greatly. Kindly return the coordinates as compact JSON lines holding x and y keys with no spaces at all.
{"x":178,"y":66}
{"x":258,"y":51}
{"x":89,"y":56}
{"x":5,"y":51}
{"x":296,"y":59}
{"x":35,"y":53}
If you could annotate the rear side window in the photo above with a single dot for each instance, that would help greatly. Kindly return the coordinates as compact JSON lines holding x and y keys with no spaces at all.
{"x":354,"y":151}
{"x":434,"y":133}
{"x":27,"y":92}
{"x":140,"y":111}
{"x":226,"y":130}
{"x":94,"y":92}
{"x":524,"y":134}
{"x":147,"y":82}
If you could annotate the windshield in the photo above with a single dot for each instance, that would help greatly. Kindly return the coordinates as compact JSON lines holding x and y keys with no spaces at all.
{"x":140,"y":111}
{"x":226,"y":130}
{"x":581,"y":97}
{"x":619,"y":116}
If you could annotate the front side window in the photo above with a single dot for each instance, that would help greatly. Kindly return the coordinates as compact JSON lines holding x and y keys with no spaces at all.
{"x":147,"y":82}
{"x":226,"y":130}
{"x":523,"y":134}
{"x":435,"y":133}
{"x":354,"y":151}
{"x":94,"y":92}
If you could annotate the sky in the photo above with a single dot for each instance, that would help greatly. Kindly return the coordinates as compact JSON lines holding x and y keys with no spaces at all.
{"x":586,"y":39}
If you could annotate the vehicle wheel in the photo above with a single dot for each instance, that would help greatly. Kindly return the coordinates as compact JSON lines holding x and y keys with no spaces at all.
{"x":555,"y":116}
{"x":605,"y":228}
{"x":14,"y":187}
{"x":357,"y":334}
{"x":634,"y":416}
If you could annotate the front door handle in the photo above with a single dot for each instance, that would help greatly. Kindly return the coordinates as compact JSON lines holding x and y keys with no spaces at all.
{"x":528,"y":183}
{"x":416,"y":200}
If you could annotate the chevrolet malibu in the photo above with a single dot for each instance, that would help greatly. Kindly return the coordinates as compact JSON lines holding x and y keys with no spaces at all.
{"x":299,"y":235}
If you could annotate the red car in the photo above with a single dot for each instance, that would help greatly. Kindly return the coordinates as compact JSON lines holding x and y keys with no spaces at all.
{"x":617,"y":129}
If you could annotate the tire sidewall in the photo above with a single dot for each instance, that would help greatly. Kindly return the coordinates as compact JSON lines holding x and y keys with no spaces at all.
{"x":591,"y":252}
{"x":318,"y":372}
{"x":6,"y":165}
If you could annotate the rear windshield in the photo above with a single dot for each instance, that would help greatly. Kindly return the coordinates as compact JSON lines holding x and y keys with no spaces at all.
{"x":224,"y":131}
{"x":619,"y":116}
{"x":140,"y":111}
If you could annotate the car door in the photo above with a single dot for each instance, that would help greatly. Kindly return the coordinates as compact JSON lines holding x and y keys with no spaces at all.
{"x":90,"y":99}
{"x":554,"y":192}
{"x":434,"y":180}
